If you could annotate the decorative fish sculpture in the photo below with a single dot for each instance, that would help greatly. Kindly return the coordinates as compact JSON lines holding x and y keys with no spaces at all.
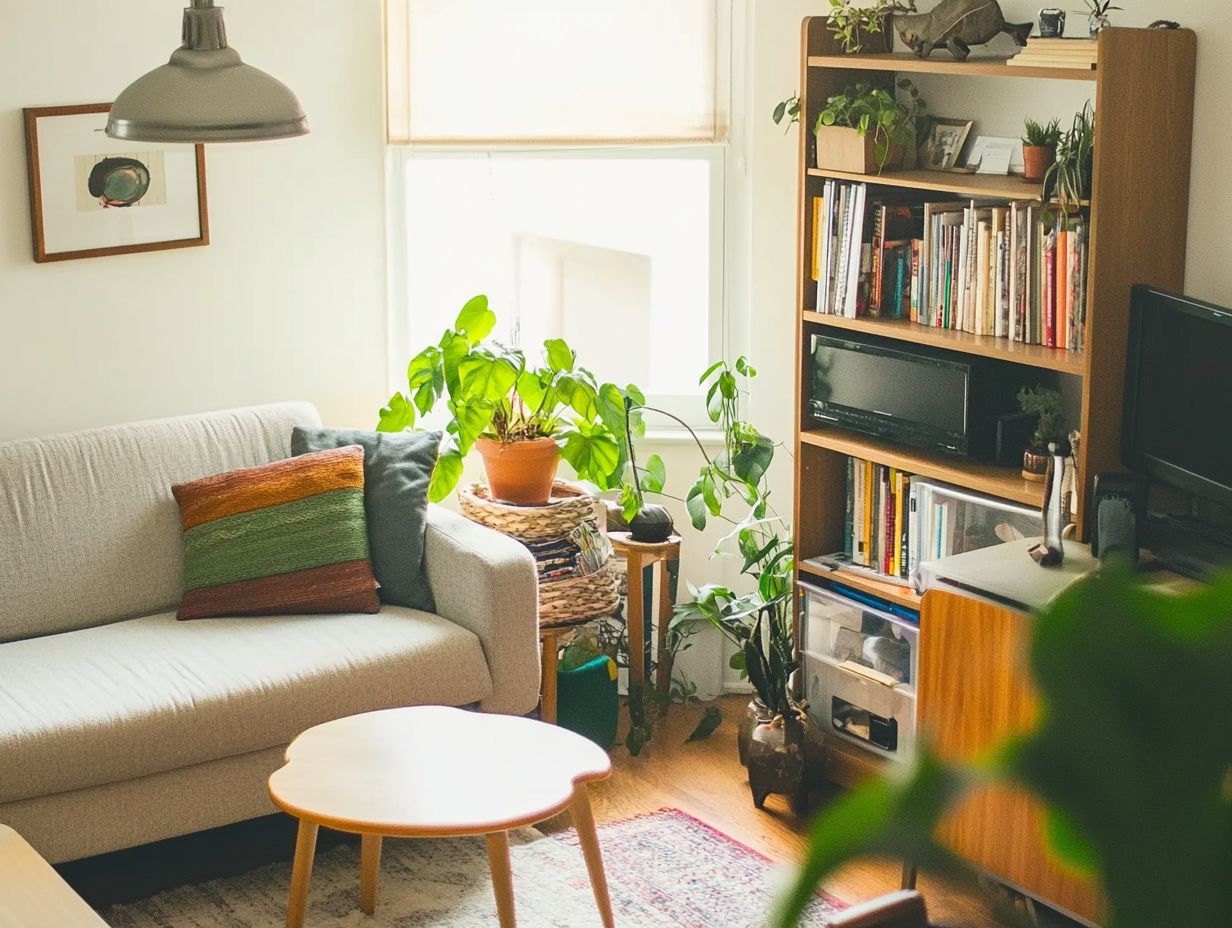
{"x":957,"y":24}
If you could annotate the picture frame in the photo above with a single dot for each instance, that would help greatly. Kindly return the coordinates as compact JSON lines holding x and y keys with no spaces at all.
{"x":91,"y":195}
{"x":944,"y":144}
{"x":982,"y":142}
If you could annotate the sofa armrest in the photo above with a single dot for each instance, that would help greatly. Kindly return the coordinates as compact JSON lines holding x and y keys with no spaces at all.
{"x":487,"y":583}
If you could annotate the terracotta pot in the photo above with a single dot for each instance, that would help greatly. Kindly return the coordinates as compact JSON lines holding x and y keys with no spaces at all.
{"x":755,"y":714}
{"x":776,"y":762}
{"x":1036,"y":160}
{"x":520,"y":472}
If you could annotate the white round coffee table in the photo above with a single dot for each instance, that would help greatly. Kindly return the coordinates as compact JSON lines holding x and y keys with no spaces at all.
{"x":431,"y":772}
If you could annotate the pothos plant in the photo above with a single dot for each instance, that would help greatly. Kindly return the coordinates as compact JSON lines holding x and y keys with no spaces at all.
{"x":853,"y":23}
{"x":758,"y":622}
{"x":491,"y":390}
{"x":893,"y":122}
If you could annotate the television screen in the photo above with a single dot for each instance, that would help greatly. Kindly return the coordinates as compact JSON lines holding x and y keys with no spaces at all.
{"x":1178,"y":408}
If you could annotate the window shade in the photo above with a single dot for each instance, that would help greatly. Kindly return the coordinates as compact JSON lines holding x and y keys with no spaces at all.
{"x":552,"y":70}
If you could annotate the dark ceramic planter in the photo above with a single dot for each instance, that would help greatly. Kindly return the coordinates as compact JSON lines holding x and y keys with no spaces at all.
{"x":776,"y":762}
{"x":754,"y":714}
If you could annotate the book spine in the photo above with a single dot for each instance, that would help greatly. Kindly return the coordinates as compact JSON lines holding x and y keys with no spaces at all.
{"x":849,"y":511}
{"x":981,"y":277}
{"x":879,"y":218}
{"x":1050,"y":294}
{"x":815,"y":258}
{"x":866,"y":522}
{"x":904,"y":542}
{"x":913,"y":309}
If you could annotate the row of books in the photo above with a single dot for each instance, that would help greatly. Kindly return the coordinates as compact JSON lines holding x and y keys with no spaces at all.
{"x":1010,"y":269}
{"x":876,"y":535}
{"x":1056,"y":53}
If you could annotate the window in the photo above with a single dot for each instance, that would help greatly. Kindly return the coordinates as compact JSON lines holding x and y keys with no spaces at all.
{"x":588,"y":207}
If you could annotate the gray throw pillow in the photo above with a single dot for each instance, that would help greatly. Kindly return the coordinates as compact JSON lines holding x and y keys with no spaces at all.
{"x":397,"y":468}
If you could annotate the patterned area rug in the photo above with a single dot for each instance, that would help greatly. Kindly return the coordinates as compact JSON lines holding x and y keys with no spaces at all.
{"x":664,"y":870}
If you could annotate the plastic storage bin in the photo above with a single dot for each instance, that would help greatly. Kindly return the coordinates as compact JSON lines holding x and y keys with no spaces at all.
{"x":859,"y":664}
{"x":944,"y":520}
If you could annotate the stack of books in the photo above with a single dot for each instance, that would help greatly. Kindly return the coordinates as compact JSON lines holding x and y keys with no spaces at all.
{"x":876,"y":533}
{"x":1008,"y":269}
{"x":1056,"y":53}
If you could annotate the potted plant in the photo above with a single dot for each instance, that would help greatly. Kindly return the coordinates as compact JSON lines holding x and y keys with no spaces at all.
{"x":521,"y":417}
{"x":758,"y":622}
{"x":1097,"y":14}
{"x":857,"y":25}
{"x":1039,"y":148}
{"x":1048,"y":408}
{"x":865,"y":129}
{"x":788,"y":109}
{"x":1068,"y":180}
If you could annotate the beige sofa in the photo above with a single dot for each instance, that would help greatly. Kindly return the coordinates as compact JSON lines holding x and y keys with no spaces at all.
{"x":120,"y":725}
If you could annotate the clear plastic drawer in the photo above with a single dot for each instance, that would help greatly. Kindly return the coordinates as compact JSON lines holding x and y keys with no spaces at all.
{"x":859,"y":666}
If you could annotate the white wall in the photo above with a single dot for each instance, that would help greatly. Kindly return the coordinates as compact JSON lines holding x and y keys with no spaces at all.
{"x":288,"y":302}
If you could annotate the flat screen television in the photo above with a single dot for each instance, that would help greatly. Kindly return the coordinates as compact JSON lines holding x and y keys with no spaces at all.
{"x":1178,"y":393}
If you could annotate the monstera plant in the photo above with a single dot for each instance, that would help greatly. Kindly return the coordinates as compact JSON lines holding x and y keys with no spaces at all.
{"x":1132,"y":757}
{"x":521,"y":416}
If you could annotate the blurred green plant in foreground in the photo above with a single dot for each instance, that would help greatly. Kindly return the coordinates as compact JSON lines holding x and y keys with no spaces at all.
{"x":1132,"y":757}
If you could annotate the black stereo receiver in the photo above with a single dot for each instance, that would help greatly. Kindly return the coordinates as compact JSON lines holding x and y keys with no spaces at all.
{"x":925,"y":397}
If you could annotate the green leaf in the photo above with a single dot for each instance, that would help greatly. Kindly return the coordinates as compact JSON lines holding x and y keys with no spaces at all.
{"x":445,"y":475}
{"x":476,"y":319}
{"x":485,"y":377}
{"x":710,"y":496}
{"x":709,"y":722}
{"x":593,"y":452}
{"x":752,"y":460}
{"x":1068,"y":844}
{"x":472,"y":418}
{"x":736,"y":662}
{"x":695,"y":504}
{"x":630,"y":502}
{"x":655,"y":475}
{"x":397,"y":415}
{"x":454,"y":348}
{"x":710,"y":371}
{"x":560,"y":356}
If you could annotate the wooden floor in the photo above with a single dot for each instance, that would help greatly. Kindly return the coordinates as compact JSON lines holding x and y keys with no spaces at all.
{"x":705,"y":779}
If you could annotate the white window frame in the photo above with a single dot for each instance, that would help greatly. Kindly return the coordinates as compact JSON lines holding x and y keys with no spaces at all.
{"x":727,"y":313}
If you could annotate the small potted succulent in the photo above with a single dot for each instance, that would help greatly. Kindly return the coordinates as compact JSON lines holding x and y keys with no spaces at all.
{"x":1069,"y":178}
{"x":1039,"y":148}
{"x":865,"y":129}
{"x":1048,"y":408}
{"x":1097,"y":14}
{"x":521,"y":417}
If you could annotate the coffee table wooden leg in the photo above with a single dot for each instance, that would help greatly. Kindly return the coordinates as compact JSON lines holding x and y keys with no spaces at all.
{"x":301,"y":874}
{"x":502,"y":877}
{"x":584,"y":821}
{"x":369,"y":871}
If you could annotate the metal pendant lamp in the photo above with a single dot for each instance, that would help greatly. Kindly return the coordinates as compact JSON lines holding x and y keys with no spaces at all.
{"x":205,"y":93}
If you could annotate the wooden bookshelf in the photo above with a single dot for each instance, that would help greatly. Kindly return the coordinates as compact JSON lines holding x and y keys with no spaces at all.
{"x":1003,"y":482}
{"x":1144,"y":87}
{"x":942,"y":63}
{"x":882,"y":589}
{"x":986,"y":346}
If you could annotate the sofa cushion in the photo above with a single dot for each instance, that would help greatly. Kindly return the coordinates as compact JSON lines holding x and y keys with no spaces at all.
{"x":397,"y":470}
{"x":89,"y":532}
{"x":287,"y":537}
{"x":146,"y":695}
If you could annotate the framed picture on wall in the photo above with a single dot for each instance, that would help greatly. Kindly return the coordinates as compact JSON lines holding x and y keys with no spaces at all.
{"x":92,"y":195}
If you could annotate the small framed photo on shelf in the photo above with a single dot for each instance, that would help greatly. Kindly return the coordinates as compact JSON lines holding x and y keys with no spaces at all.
{"x":942,"y":148}
{"x":92,"y":195}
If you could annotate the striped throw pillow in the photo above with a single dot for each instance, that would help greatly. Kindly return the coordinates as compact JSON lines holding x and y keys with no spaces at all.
{"x":286,"y":538}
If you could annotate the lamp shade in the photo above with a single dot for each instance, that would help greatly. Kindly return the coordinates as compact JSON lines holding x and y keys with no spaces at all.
{"x":205,"y":93}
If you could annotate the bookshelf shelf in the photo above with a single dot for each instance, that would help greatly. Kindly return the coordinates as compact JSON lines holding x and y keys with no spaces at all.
{"x":1053,"y":359}
{"x":981,"y":67}
{"x":998,"y":186}
{"x":890,"y":592}
{"x":1003,"y":482}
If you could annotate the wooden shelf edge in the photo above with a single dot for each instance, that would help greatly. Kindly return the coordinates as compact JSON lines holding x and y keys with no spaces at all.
{"x":960,"y":184}
{"x":981,"y":67}
{"x":985,"y":346}
{"x":890,"y":592}
{"x":990,"y":479}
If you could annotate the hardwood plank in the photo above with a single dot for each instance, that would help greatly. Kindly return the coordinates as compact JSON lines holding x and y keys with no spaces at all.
{"x":704,"y":779}
{"x":1003,"y":482}
{"x":1139,"y":215}
{"x":985,"y":346}
{"x":905,"y":63}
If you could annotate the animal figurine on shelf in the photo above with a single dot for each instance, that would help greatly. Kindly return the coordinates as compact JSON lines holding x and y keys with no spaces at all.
{"x":957,"y":24}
